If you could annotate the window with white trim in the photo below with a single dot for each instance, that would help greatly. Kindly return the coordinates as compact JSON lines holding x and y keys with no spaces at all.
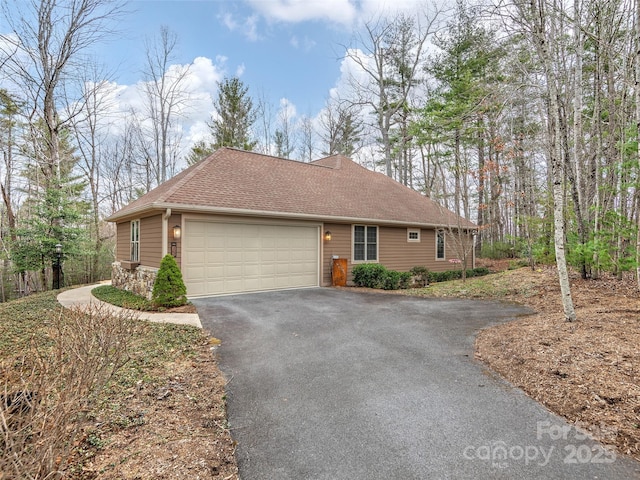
{"x":440,"y":255}
{"x":413,"y":235}
{"x":135,"y":241}
{"x":365,"y":243}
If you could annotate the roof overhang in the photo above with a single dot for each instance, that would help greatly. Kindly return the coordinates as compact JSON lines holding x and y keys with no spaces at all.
{"x":185,"y":208}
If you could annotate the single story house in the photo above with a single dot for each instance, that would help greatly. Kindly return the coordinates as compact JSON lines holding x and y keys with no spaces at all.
{"x":242,"y":222}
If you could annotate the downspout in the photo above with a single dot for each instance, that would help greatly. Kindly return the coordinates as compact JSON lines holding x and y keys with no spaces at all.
{"x":165,"y":232}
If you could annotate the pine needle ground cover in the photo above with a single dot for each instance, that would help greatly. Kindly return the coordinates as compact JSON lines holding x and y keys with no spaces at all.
{"x":587,"y":371}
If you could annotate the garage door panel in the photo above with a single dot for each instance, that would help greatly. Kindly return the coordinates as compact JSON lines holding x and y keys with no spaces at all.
{"x":232,"y":257}
{"x":252,"y":256}
{"x":214,"y":272}
{"x":267,"y":269}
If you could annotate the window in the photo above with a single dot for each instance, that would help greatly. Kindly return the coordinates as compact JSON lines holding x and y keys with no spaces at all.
{"x":413,"y":235}
{"x":135,"y":241}
{"x":365,"y":243}
{"x":440,"y":245}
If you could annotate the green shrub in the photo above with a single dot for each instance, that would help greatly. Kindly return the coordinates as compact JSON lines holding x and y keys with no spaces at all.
{"x":169,"y":289}
{"x":370,"y":275}
{"x":374,"y":275}
{"x":421,"y":274}
{"x":448,"y":275}
{"x":480,"y":271}
{"x":405,"y":280}
{"x":391,"y":280}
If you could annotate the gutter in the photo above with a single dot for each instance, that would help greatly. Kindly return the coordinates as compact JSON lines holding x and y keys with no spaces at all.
{"x":265,"y":213}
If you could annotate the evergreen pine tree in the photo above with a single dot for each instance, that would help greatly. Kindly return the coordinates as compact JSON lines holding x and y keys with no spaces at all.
{"x":169,"y":289}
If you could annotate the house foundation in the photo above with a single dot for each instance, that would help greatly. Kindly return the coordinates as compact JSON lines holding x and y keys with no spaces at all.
{"x":133,"y":278}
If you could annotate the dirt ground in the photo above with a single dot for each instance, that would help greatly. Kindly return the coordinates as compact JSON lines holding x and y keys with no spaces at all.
{"x":587,"y":371}
{"x":175,"y":429}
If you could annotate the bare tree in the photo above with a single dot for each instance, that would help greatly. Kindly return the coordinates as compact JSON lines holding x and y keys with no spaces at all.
{"x":117,"y":169}
{"x":284,"y":138}
{"x":637,"y":112}
{"x":307,"y":136}
{"x":264,"y":116}
{"x":166,"y":101}
{"x":44,"y":49}
{"x":91,"y":131}
{"x":390,"y":55}
{"x":341,"y":129}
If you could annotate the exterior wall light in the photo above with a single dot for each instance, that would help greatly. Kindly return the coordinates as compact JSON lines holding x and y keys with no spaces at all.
{"x":177,"y":232}
{"x":327,"y":236}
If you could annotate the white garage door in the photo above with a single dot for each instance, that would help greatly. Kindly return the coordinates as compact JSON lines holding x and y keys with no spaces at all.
{"x":222,"y":258}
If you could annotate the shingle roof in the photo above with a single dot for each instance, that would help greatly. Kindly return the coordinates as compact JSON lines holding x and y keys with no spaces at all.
{"x":333,"y":188}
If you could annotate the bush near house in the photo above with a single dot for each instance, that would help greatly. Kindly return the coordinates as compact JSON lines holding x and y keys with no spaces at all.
{"x":456,"y":274}
{"x":420,"y":275}
{"x":396,"y":280}
{"x":370,"y":275}
{"x":169,"y":289}
{"x":374,"y":275}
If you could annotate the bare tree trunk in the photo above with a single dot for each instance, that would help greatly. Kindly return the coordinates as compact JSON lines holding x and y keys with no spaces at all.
{"x":637,"y":92}
{"x":543,"y":35}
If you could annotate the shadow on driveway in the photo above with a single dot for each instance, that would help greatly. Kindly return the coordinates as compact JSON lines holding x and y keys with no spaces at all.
{"x":333,"y":384}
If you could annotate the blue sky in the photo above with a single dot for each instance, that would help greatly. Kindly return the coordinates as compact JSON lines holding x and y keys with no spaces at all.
{"x":297,"y":60}
{"x":289,"y":51}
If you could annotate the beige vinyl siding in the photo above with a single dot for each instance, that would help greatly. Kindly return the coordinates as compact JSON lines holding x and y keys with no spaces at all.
{"x":394,"y":250}
{"x":397,"y":253}
{"x":151,"y":241}
{"x":123,"y":244}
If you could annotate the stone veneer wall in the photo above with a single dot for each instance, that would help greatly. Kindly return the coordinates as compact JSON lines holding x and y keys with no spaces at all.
{"x":139,"y":281}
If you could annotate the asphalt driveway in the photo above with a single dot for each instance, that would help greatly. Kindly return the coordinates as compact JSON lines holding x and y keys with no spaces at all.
{"x":333,"y":384}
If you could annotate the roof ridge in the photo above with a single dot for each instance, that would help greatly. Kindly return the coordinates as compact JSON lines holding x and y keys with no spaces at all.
{"x":273,"y":157}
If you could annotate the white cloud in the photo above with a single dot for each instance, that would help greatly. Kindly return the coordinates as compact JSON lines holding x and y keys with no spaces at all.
{"x":305,"y":44}
{"x":248,"y":27}
{"x":251,"y":28}
{"x":343,"y":12}
{"x":337,"y":11}
{"x":228,"y":21}
{"x":373,"y":8}
{"x":287,"y":109}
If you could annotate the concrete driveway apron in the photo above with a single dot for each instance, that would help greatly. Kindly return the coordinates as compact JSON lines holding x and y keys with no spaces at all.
{"x":333,"y":384}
